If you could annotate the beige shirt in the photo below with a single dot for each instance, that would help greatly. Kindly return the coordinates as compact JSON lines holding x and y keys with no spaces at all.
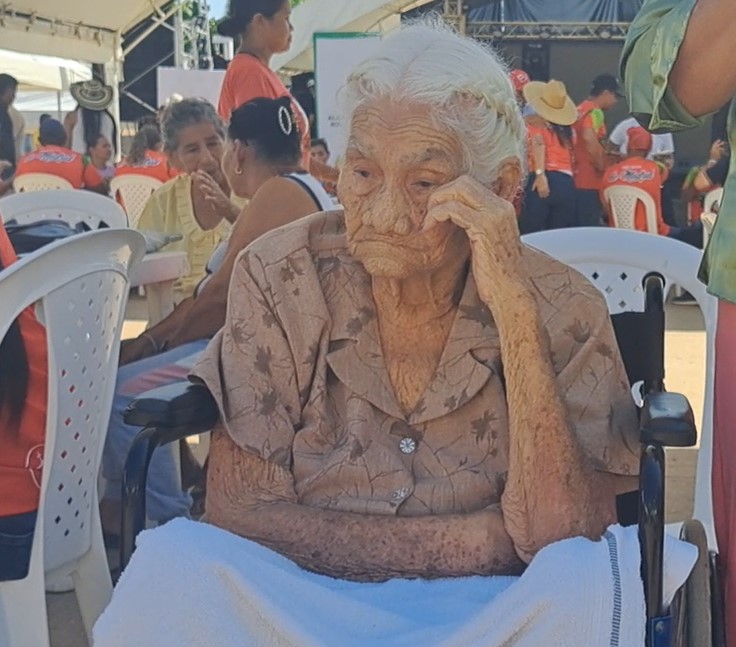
{"x":301,"y":381}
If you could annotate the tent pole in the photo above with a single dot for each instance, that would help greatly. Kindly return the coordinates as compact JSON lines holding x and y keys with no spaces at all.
{"x":58,"y":106}
{"x":161,"y":19}
{"x":113,"y":77}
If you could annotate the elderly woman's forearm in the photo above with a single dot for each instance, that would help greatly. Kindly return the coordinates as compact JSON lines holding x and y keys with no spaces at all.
{"x":704,"y":78}
{"x":374,"y":547}
{"x":546,"y":462}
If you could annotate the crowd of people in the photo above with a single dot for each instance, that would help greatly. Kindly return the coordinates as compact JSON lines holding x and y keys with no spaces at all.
{"x":573,"y":161}
{"x":391,"y":370}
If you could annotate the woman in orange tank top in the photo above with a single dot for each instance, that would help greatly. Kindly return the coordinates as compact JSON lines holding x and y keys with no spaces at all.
{"x":23,"y":392}
{"x":549,"y":198}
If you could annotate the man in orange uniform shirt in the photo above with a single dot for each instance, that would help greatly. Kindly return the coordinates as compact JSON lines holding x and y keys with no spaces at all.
{"x":55,"y":158}
{"x":590,"y":151}
{"x":649,"y":176}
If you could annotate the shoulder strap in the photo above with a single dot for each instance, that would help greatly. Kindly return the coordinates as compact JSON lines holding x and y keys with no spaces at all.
{"x":305,"y":186}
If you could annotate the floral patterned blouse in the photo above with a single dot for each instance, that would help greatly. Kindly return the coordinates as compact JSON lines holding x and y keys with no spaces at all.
{"x":301,"y":381}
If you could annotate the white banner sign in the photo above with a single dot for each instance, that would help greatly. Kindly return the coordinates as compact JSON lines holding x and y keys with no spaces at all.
{"x":336,"y":55}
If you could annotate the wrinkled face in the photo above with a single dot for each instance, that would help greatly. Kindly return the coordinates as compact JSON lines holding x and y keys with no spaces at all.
{"x":199,"y":149}
{"x":320,"y":154}
{"x":102,"y":150}
{"x":395,"y":160}
{"x":279,"y":30}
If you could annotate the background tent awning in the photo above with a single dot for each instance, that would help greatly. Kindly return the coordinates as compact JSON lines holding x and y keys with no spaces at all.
{"x":314,"y":16}
{"x":35,"y":72}
{"x":87,"y":30}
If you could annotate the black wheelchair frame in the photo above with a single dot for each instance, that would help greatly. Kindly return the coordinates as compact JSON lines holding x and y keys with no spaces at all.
{"x":177,"y":411}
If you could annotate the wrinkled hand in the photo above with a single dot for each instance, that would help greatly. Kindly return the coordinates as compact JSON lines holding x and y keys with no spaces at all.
{"x":211,"y":204}
{"x":491,"y":226}
{"x":541,"y":186}
{"x":133,"y":350}
{"x":5,"y":165}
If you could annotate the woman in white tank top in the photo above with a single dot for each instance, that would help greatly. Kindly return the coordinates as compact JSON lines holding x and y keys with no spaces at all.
{"x":91,"y":118}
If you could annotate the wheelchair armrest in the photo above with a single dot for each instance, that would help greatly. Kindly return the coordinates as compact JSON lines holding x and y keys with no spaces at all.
{"x":667,"y":419}
{"x":182,"y":404}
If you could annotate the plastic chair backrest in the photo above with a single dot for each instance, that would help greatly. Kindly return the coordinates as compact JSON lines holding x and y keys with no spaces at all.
{"x":80,"y":285}
{"x":616,"y":262}
{"x":711,"y":199}
{"x":709,"y":222}
{"x":134,"y":191}
{"x":29,"y":182}
{"x":71,"y":206}
{"x":623,"y":201}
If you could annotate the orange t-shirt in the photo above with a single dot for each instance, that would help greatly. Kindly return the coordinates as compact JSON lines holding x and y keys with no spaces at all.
{"x":155,"y":165}
{"x":248,"y":78}
{"x":22,"y":444}
{"x":590,"y":116}
{"x":64,"y":162}
{"x":642,"y":174}
{"x":557,"y":156}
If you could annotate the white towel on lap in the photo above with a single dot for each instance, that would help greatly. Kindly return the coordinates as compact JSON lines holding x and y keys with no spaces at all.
{"x":192,"y":585}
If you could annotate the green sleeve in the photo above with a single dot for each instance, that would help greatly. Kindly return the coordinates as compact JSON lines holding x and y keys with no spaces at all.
{"x":649,"y":55}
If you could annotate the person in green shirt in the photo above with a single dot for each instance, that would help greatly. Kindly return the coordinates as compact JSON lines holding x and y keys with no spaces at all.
{"x":677,"y":68}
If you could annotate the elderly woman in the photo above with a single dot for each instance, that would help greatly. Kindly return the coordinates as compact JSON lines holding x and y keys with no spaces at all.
{"x":194,"y":140}
{"x":405,"y":388}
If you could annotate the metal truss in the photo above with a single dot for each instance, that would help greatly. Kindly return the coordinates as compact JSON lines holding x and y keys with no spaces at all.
{"x":498,"y":31}
{"x":455,"y":15}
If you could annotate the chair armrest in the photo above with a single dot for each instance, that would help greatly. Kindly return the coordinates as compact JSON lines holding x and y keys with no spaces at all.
{"x":182,"y":404}
{"x":667,"y":419}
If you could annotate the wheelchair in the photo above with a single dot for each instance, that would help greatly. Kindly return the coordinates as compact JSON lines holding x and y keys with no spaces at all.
{"x":695,"y":619}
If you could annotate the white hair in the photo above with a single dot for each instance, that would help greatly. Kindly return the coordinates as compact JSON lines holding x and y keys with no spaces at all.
{"x":463,"y":82}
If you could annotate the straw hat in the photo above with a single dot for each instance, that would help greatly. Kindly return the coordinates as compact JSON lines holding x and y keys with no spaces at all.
{"x":550,"y":101}
{"x":93,"y":95}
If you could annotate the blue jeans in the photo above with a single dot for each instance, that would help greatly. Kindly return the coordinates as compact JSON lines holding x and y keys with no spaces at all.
{"x":164,"y":498}
{"x":692,"y":235}
{"x":556,"y":211}
{"x":588,"y":208}
{"x":16,"y":541}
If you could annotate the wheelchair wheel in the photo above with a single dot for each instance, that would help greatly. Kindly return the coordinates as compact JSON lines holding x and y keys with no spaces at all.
{"x":696,"y":603}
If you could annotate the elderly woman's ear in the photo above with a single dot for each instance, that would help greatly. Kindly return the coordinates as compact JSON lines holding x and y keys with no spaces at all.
{"x":506,"y":185}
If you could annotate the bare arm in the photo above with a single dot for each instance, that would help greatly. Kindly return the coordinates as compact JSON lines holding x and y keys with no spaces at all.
{"x":546,"y":462}
{"x":704,"y":77}
{"x":552,"y":490}
{"x":277,"y":203}
{"x":594,"y":148}
{"x":256,"y":499}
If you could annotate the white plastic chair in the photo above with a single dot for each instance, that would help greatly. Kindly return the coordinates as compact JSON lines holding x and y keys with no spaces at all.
{"x":623,"y":200}
{"x":80,"y":286}
{"x":134,"y":191}
{"x":616,"y":261}
{"x":71,"y":206}
{"x":709,"y":222}
{"x":711,"y":199}
{"x":30,"y":182}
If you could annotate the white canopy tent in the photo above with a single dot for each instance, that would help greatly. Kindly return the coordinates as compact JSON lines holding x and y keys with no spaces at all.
{"x":85,"y":30}
{"x":329,"y":16}
{"x":50,"y":73}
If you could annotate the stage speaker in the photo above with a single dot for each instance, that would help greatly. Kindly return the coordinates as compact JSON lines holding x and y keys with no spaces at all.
{"x":536,"y":60}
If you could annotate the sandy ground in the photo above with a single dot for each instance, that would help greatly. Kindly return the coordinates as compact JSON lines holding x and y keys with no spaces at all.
{"x":685,"y":365}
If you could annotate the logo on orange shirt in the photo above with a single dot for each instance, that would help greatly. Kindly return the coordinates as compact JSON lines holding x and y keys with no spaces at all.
{"x":632,"y":176}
